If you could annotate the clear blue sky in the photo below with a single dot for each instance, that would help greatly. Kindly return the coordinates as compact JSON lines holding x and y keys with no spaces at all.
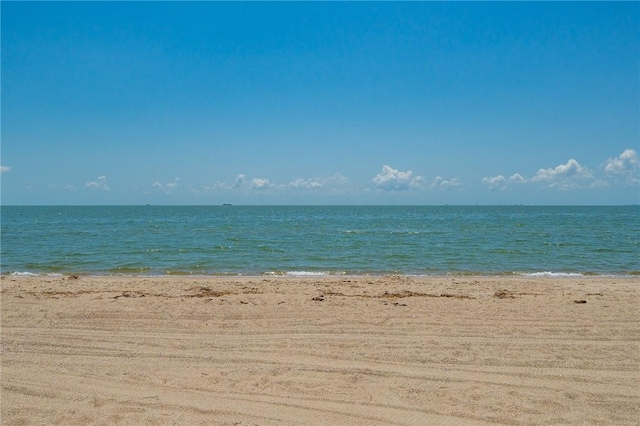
{"x":320,"y":103}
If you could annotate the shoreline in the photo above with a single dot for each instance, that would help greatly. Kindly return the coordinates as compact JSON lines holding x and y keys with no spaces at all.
{"x":270,"y":350}
{"x":336,"y":274}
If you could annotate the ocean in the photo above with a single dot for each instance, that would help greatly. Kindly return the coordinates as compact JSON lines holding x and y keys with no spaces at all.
{"x":319,"y":240}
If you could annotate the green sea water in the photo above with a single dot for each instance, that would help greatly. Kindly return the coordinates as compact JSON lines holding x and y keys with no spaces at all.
{"x":309,"y":240}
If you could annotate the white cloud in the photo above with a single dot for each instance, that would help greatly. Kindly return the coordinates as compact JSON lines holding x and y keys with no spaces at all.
{"x":626,"y":164}
{"x":223,"y":186}
{"x":100,"y":183}
{"x":168,"y":187}
{"x":338,"y":179}
{"x":440,"y":182}
{"x":260,"y":183}
{"x":571,"y":170}
{"x":391,"y":179}
{"x":518,"y":178}
{"x":622,"y":164}
{"x":336,"y":184}
{"x":5,"y":169}
{"x":332,"y":183}
{"x":564,"y":176}
{"x":572,"y":174}
{"x":501,"y":182}
{"x":494,"y":181}
{"x":305,"y":183}
{"x":239,"y":180}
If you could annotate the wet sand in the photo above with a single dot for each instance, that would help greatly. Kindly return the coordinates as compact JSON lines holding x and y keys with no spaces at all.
{"x":320,"y":350}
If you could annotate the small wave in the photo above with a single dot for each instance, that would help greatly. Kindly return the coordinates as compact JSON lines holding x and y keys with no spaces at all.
{"x":302,"y":273}
{"x":554,"y":274}
{"x":24,"y":274}
{"x":129,"y":270}
{"x":306,"y":274}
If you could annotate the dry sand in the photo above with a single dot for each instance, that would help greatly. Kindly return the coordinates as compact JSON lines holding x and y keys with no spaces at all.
{"x":328,"y":350}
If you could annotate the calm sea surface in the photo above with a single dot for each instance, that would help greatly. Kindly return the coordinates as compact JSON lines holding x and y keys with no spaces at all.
{"x":255,"y":240}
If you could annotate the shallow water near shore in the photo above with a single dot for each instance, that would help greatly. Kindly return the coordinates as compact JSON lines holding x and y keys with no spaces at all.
{"x":317,"y":240}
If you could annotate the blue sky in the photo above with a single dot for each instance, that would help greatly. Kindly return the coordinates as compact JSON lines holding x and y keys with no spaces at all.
{"x":320,"y":103}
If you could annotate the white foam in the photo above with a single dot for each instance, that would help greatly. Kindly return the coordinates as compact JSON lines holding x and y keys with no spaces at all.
{"x":23,"y":274}
{"x":554,"y":274}
{"x":306,"y":274}
{"x":298,"y":273}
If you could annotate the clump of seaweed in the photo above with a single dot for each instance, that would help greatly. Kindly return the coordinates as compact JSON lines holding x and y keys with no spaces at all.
{"x":208,"y":292}
{"x":503,"y":294}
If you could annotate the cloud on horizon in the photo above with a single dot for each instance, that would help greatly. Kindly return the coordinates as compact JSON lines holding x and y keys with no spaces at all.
{"x":394,"y":180}
{"x":337,"y":183}
{"x":572,"y":174}
{"x":100,"y":183}
{"x":260,"y":184}
{"x":168,"y":187}
{"x":5,"y":169}
{"x":305,"y":183}
{"x":500,"y":182}
{"x":239,"y":180}
{"x":626,"y":165}
{"x":441,"y":183}
{"x":332,"y":183}
{"x":564,"y":175}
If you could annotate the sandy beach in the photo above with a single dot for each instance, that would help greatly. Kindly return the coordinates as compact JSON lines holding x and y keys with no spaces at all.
{"x":320,"y":350}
